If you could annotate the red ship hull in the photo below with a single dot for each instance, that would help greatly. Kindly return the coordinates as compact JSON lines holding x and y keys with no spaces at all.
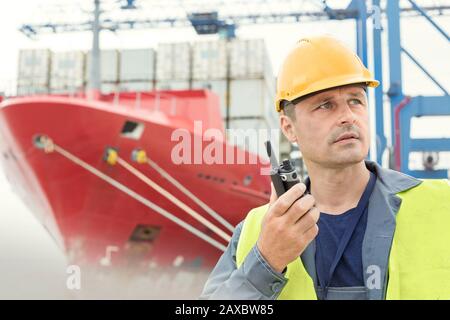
{"x":91,"y":219}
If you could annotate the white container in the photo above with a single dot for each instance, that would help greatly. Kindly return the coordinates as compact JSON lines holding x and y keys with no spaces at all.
{"x":256,"y":58}
{"x":34,"y":65}
{"x":271,"y":85}
{"x":109,"y":65}
{"x":238,"y":59}
{"x":181,"y":61}
{"x":67,"y":71}
{"x":173,"y":61}
{"x":172,"y":85}
{"x":26,"y":62}
{"x":137,"y":65}
{"x":219,"y":87}
{"x":209,"y":60}
{"x":164,"y":62}
{"x":248,"y":59}
{"x":251,"y":98}
{"x":247,"y":98}
{"x":136,"y":86}
{"x":41,"y":72}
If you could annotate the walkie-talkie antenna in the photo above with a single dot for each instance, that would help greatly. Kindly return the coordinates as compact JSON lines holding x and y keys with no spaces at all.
{"x":271,"y":154}
{"x":274,"y":173}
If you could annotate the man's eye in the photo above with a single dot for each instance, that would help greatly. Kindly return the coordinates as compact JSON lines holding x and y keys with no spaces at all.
{"x":325,"y":106}
{"x":355,"y":101}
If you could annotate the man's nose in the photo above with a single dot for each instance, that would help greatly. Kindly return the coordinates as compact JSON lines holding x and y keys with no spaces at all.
{"x":346,"y":115}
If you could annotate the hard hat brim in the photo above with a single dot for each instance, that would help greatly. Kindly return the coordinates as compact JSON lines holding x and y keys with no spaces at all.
{"x":327,"y":84}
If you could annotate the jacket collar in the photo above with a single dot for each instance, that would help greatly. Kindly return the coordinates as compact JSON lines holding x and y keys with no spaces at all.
{"x":391,"y":181}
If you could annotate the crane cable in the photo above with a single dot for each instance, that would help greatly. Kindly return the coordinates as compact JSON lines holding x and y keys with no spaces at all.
{"x":173,"y":199}
{"x":140,"y":156}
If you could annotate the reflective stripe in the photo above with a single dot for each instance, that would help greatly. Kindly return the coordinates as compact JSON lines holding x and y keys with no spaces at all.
{"x":300,"y":285}
{"x":346,"y":293}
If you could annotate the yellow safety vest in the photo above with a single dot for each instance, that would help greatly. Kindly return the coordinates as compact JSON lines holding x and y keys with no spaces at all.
{"x":419,"y":261}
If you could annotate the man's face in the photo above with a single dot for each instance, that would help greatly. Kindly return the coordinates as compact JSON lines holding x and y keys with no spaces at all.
{"x":322,"y":122}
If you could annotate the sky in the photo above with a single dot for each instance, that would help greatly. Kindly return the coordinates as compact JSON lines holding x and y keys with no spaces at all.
{"x":31,"y":265}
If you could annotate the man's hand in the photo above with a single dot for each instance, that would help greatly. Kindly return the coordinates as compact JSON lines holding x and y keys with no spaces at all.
{"x":288,"y":227}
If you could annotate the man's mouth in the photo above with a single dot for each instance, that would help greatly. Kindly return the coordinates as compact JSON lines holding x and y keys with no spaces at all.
{"x":347,"y":137}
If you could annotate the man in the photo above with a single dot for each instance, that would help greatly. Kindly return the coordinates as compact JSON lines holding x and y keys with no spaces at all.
{"x":354,"y":230}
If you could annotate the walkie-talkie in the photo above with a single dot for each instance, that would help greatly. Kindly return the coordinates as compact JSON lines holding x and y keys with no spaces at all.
{"x":284,"y":175}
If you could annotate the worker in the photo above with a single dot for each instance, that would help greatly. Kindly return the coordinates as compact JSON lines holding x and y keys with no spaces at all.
{"x":352,"y":230}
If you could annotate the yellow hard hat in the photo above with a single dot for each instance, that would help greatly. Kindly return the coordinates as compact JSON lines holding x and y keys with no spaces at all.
{"x":319,"y":63}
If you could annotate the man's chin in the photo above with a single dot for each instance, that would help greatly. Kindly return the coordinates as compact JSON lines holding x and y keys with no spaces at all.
{"x":347,"y":159}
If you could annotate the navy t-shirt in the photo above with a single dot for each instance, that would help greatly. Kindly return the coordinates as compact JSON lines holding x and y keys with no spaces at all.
{"x":349,"y":269}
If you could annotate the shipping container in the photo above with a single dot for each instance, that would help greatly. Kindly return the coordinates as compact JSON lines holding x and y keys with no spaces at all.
{"x":67,"y":71}
{"x":209,"y":60}
{"x":248,"y":98}
{"x":173,"y":61}
{"x":138,"y":86}
{"x":271,"y":84}
{"x":137,"y":65}
{"x":257,"y":59}
{"x":25,"y":67}
{"x":249,"y":59}
{"x":219,"y":87}
{"x":164,"y":62}
{"x":109,"y":65}
{"x":34,"y":67}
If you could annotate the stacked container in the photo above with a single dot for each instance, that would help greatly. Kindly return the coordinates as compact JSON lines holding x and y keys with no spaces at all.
{"x":209,"y":60}
{"x":248,"y":91}
{"x":137,"y":70}
{"x":248,"y":59}
{"x":238,"y":71}
{"x":173,"y":66}
{"x":209,"y":69}
{"x":67,"y":71}
{"x":109,"y":69}
{"x":34,"y":71}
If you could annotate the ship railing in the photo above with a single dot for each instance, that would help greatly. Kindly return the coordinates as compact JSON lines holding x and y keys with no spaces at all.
{"x":158,"y":97}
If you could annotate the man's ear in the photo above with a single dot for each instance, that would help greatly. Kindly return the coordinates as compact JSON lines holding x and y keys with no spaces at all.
{"x":287,"y":127}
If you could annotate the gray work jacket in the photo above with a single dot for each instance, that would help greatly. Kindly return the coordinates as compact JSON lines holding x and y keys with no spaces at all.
{"x":255,"y":279}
